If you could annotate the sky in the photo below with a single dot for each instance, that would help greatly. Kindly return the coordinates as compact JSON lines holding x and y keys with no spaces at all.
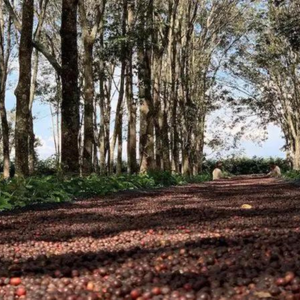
{"x":43,"y":130}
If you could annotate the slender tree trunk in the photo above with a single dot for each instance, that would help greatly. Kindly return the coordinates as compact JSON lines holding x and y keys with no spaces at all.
{"x":296,"y":156}
{"x":158,"y":121}
{"x":58,"y":96}
{"x":88,"y":107}
{"x":132,"y":110}
{"x":3,"y":78}
{"x":145,"y":94}
{"x":70,"y":91}
{"x":119,"y":110}
{"x":96,"y":137}
{"x":107,"y":116}
{"x":120,"y":144}
{"x":31,"y":142}
{"x":199,"y":147}
{"x":89,"y":35}
{"x":103,"y":110}
{"x":119,"y":116}
{"x":131,"y":103}
{"x":54,"y":125}
{"x":174,"y":100}
{"x":5,"y":131}
{"x":165,"y":133}
{"x":102,"y":127}
{"x":23,"y":90}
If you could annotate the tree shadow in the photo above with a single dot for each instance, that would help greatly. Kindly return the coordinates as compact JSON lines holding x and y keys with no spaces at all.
{"x":196,"y":235}
{"x":201,"y":206}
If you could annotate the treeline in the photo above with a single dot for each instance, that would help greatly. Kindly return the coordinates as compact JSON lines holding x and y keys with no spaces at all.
{"x":269,"y":67}
{"x":232,"y":166}
{"x":166,"y":55}
{"x":141,"y":71}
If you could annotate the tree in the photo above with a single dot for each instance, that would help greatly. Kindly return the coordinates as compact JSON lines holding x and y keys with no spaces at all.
{"x":269,"y":66}
{"x":5,"y":33}
{"x":287,"y":21}
{"x":145,"y":27}
{"x":70,"y":89}
{"x":131,"y":103}
{"x":89,"y":35}
{"x":22,"y":91}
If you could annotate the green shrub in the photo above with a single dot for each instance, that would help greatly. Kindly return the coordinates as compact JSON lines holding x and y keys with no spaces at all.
{"x":47,"y":167}
{"x":20,"y":192}
{"x":294,"y":175}
{"x":247,"y":166}
{"x":199,"y":178}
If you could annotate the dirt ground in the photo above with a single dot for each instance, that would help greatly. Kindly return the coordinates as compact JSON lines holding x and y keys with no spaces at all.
{"x":188,"y":242}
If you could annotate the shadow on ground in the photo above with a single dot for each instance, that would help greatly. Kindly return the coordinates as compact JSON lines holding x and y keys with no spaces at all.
{"x":196,"y":234}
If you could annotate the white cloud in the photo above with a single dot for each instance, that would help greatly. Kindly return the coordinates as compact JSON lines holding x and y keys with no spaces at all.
{"x":47,"y":147}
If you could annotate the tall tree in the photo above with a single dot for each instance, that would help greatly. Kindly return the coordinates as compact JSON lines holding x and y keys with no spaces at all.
{"x":70,"y":89}
{"x":42,"y":7}
{"x":269,"y":65}
{"x":118,"y":129}
{"x":22,"y":91}
{"x":5,"y":39}
{"x":90,"y":29}
{"x":131,"y":102}
{"x":145,"y":83}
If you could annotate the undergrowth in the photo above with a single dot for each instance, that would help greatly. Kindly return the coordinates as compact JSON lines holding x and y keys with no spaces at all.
{"x":21,"y":192}
{"x":293,"y":175}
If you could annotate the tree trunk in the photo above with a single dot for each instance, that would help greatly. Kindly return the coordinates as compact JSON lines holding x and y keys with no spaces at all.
{"x":174,"y":102}
{"x":89,"y":35}
{"x":165,"y":134}
{"x":131,"y":104}
{"x":199,"y":148}
{"x":158,"y":121}
{"x":103,"y":112}
{"x":132,"y":110}
{"x":119,"y":116}
{"x":296,"y":156}
{"x":120,"y":144}
{"x":87,"y":167}
{"x":146,"y":116}
{"x":31,"y":135}
{"x":3,"y":79}
{"x":119,"y":110}
{"x":145,"y":94}
{"x":102,"y":128}
{"x":23,"y":90}
{"x":70,"y":91}
{"x":5,"y":130}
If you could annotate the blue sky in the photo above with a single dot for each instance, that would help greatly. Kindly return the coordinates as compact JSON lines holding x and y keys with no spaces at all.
{"x":269,"y":148}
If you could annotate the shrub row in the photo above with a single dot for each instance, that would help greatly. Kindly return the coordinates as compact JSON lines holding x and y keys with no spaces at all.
{"x":247,"y":166}
{"x":20,"y":192}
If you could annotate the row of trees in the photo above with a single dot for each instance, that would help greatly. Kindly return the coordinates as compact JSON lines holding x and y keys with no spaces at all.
{"x":269,"y":65}
{"x":164,"y":54}
{"x":157,"y":63}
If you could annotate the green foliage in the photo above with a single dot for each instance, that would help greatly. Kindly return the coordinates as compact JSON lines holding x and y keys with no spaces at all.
{"x":47,"y":167}
{"x":20,"y":192}
{"x":294,"y":175}
{"x":247,"y":166}
{"x":197,"y":179}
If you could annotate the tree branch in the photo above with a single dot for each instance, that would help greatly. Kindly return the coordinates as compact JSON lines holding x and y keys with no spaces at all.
{"x":36,"y":44}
